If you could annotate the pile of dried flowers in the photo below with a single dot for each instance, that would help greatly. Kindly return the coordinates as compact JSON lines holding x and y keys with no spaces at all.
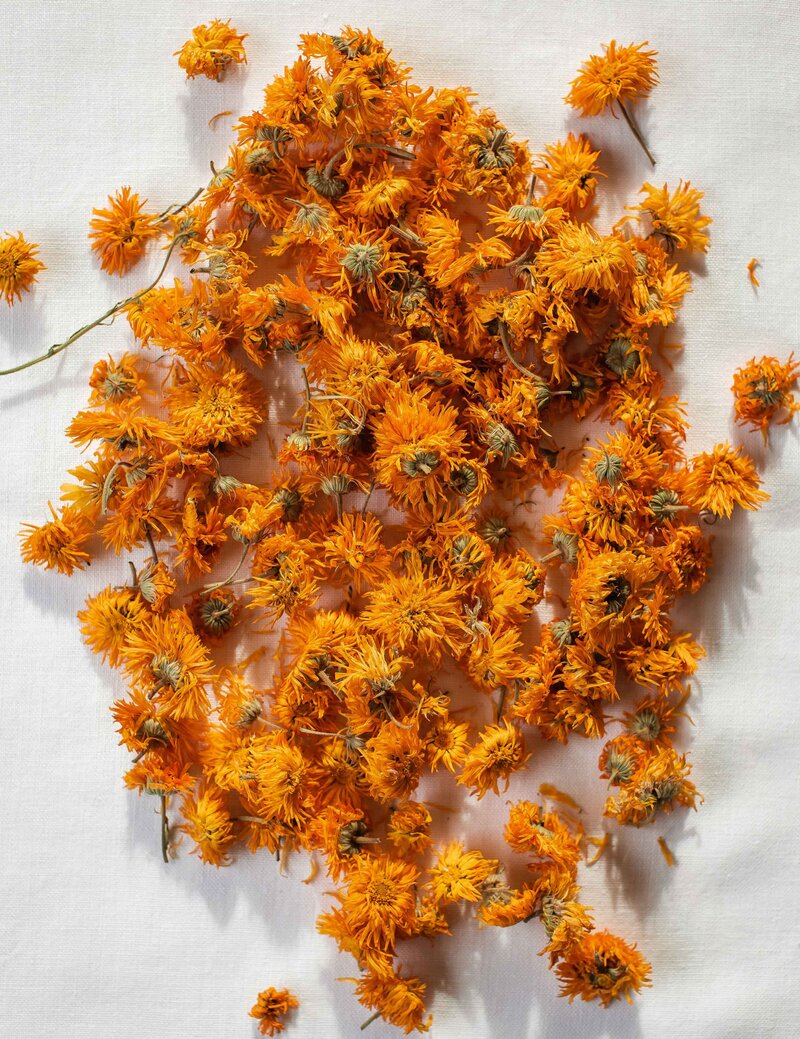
{"x":452,"y":312}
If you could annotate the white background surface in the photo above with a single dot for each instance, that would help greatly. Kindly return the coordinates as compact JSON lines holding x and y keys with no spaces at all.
{"x":100,"y":940}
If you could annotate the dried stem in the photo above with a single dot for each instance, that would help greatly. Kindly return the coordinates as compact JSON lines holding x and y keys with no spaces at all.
{"x":164,"y":829}
{"x":58,"y":347}
{"x":636,"y":132}
{"x":504,"y":340}
{"x":366,"y":500}
{"x":149,"y":535}
{"x":501,"y":702}
{"x":173,"y":210}
{"x":397,"y":153}
{"x":229,"y":579}
{"x":307,"y":414}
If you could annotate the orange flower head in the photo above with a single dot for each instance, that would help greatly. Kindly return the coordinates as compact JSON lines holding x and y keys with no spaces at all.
{"x":602,"y":966}
{"x":355,"y":552}
{"x":658,"y":785}
{"x":500,"y":750}
{"x":398,"y":999}
{"x":459,"y":875}
{"x":532,"y":831}
{"x":119,"y":234}
{"x":115,"y":381}
{"x":762,"y":392}
{"x":569,"y":173}
{"x":417,"y":446}
{"x":166,"y":659}
{"x":108,"y":618}
{"x":504,"y":907}
{"x":721,"y":479}
{"x":208,"y":823}
{"x":409,"y":828}
{"x":58,"y":544}
{"x":619,"y":74}
{"x":18,"y":266}
{"x":578,"y":259}
{"x":676,"y":216}
{"x":380,"y":900}
{"x":216,"y":406}
{"x":282,"y":773}
{"x":272,"y":1004}
{"x":565,"y":920}
{"x":393,"y":762}
{"x":416,"y":609}
{"x":211,"y":49}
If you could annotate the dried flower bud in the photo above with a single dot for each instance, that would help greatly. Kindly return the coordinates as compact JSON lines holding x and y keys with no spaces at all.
{"x":609,"y":469}
{"x":325,"y":184}
{"x":567,"y":545}
{"x":621,"y":357}
{"x":363,"y":261}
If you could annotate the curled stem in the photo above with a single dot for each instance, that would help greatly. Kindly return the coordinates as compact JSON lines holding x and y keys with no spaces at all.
{"x":388,"y":710}
{"x":58,"y":347}
{"x":398,"y":153}
{"x":506,"y":346}
{"x":229,"y":579}
{"x":173,"y":210}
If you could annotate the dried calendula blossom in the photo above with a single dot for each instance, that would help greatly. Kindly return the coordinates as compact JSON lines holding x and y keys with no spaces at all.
{"x":59,"y":543}
{"x":604,"y":967}
{"x":620,"y":74}
{"x":270,"y":1007}
{"x":676,"y":216}
{"x":325,"y":464}
{"x":120,"y":233}
{"x":211,"y":49}
{"x":762,"y":391}
{"x":19,"y":266}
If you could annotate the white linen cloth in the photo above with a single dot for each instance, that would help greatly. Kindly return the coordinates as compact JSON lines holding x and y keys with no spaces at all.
{"x":100,"y":940}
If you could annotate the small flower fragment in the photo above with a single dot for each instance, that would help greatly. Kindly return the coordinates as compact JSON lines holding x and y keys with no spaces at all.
{"x":272,"y":1005}
{"x":120,"y":233}
{"x":19,"y":266}
{"x":211,"y":49}
{"x":751,"y":272}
